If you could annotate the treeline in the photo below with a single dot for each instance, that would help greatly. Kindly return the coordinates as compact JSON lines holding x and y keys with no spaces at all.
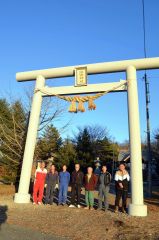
{"x":87,"y":144}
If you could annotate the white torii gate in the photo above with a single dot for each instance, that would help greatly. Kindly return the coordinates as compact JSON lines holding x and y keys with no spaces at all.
{"x":136,"y":207}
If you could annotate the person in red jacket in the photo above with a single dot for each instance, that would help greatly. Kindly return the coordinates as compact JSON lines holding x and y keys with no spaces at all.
{"x":90,"y":183}
{"x":40,"y":175}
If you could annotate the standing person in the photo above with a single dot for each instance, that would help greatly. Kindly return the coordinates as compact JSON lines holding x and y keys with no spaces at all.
{"x":76,"y":185}
{"x":64,"y":179}
{"x":121,"y":184}
{"x":90,"y":182}
{"x":104,"y":182}
{"x":40,"y":175}
{"x":51,"y":183}
{"x":97,"y":170}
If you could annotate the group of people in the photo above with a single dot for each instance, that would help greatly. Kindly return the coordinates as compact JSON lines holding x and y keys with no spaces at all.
{"x":53,"y":180}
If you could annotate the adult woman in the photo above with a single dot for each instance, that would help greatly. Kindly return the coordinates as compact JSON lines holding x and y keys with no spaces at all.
{"x":51,"y":183}
{"x":40,"y":176}
{"x":121,"y":184}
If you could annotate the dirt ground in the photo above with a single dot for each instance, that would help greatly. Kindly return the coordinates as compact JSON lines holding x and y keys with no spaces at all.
{"x":79,"y":224}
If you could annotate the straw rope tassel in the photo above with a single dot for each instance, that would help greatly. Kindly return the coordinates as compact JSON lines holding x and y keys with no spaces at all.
{"x":91,"y":104}
{"x":81,"y":100}
{"x":81,"y":106}
{"x":72,"y":107}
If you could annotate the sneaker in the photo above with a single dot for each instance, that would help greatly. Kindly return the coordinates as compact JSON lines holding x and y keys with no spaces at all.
{"x":39,"y":203}
{"x":72,"y":206}
{"x":116,"y":209}
{"x":99,"y":209}
{"x":123,"y":210}
{"x":78,"y":206}
{"x":64,"y":204}
{"x":87,"y":208}
{"x":106,"y":209}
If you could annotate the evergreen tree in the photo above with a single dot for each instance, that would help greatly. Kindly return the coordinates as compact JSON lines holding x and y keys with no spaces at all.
{"x":155,"y":149}
{"x":93,"y":142}
{"x":84,"y":148}
{"x":67,"y":155}
{"x":12,"y":134}
{"x":49,"y":143}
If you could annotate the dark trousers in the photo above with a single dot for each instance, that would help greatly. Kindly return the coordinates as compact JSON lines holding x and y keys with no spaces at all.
{"x":121,"y":193}
{"x":50,"y":191}
{"x":75,"y":193}
{"x":103,"y":192}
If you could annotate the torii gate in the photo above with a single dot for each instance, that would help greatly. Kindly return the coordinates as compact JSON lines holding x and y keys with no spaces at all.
{"x":136,"y":207}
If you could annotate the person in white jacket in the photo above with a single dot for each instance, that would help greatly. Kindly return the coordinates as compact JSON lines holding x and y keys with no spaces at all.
{"x":122,"y":179}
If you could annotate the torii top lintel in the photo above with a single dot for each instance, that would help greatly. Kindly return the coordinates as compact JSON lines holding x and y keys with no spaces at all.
{"x":96,"y":68}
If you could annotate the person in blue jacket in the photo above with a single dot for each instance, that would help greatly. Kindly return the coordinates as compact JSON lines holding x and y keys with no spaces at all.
{"x":64,"y":179}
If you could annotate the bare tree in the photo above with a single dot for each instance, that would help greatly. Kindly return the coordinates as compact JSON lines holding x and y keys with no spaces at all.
{"x":13,"y":130}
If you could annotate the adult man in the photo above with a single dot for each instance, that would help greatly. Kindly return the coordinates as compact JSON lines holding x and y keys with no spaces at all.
{"x":64,"y":179}
{"x":104,"y":182}
{"x":50,"y":183}
{"x":40,"y":175}
{"x":122,"y":179}
{"x":76,"y":184}
{"x":90,"y":183}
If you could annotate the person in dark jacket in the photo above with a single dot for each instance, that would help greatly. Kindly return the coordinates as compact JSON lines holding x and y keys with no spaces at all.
{"x":64,"y":179}
{"x":90,"y":183}
{"x":122,"y":179}
{"x":51,"y":183}
{"x":104,"y":182}
{"x":76,"y":184}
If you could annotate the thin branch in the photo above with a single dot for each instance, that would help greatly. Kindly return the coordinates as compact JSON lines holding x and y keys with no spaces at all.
{"x":11,"y":159}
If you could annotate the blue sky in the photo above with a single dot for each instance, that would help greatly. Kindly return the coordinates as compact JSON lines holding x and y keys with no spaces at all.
{"x":44,"y":34}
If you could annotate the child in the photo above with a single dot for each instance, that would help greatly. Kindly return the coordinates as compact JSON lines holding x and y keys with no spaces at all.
{"x":40,"y":175}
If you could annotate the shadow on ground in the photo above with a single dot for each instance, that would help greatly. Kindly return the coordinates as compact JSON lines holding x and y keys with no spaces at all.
{"x":14,"y":232}
{"x":3,"y":214}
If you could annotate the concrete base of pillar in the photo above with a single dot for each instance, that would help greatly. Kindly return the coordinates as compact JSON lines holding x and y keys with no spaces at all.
{"x":137,"y":210}
{"x":22,"y":198}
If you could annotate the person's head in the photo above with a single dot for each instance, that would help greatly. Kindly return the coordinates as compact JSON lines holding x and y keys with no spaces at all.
{"x":52,"y":168}
{"x":122,"y":167}
{"x":39,"y":165}
{"x":64,"y":168}
{"x":42,"y":165}
{"x":104,"y":168}
{"x":77,"y":167}
{"x":89,"y":170}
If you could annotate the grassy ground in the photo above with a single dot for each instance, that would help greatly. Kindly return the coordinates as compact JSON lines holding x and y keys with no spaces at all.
{"x":79,"y":224}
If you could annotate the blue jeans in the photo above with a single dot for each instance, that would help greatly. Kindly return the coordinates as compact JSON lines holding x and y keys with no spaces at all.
{"x":63,"y":194}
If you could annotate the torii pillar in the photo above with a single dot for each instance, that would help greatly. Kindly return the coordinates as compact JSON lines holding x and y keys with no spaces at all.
{"x":136,"y":207}
{"x":23,"y":196}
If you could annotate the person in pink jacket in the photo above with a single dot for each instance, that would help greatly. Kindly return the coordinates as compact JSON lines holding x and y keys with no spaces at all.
{"x":40,"y":175}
